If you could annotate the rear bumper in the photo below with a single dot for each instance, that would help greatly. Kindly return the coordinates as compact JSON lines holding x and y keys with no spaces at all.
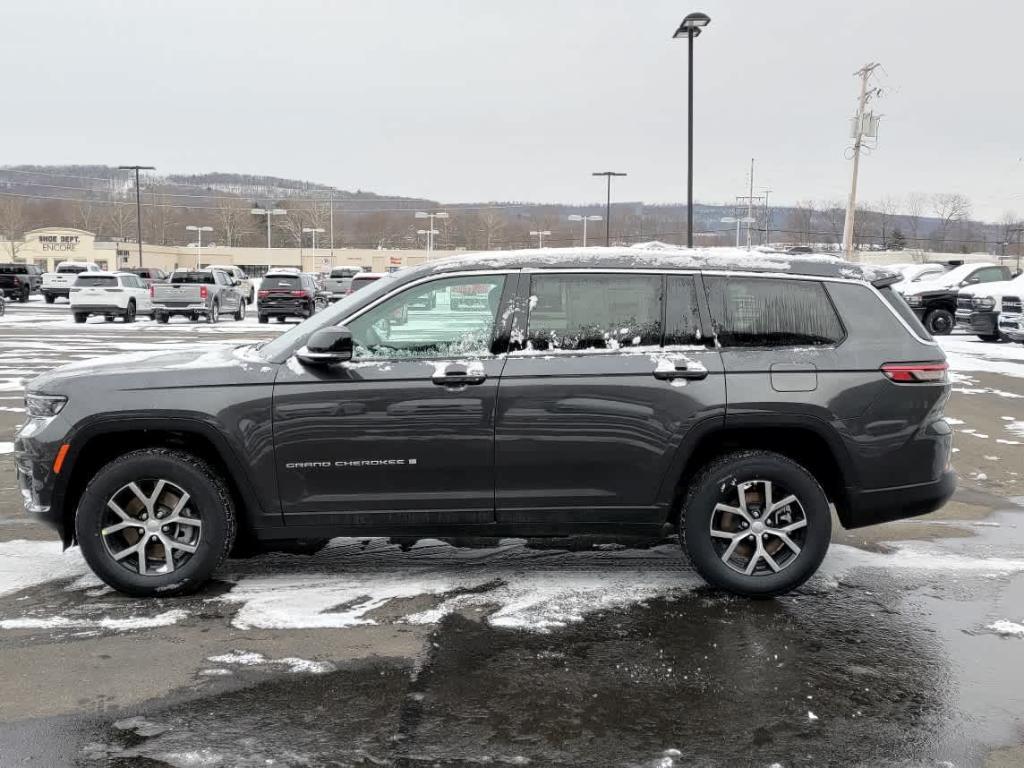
{"x":180,"y":309}
{"x":981,"y":323}
{"x":65,"y":292}
{"x":286,"y":309}
{"x":97,"y":309}
{"x":883,"y":505}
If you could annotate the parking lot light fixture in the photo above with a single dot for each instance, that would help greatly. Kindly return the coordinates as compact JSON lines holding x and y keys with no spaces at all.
{"x":690,"y":28}
{"x":584,"y":219}
{"x":199,"y":243}
{"x":268,"y":212}
{"x":314,"y":230}
{"x":430,"y":232}
{"x":539,"y":234}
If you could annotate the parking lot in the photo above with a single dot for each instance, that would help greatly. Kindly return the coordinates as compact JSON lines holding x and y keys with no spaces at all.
{"x":906,"y":649}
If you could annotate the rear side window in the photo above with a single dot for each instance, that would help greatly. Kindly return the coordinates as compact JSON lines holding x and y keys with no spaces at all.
{"x":576,"y":312}
{"x":988,"y":275}
{"x":769,"y":312}
{"x":682,"y":318}
{"x":96,"y":281}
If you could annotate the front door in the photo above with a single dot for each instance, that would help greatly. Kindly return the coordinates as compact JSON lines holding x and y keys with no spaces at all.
{"x":402,"y":435}
{"x":616,"y":373}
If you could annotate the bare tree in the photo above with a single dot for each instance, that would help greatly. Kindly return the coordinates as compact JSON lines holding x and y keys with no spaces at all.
{"x":915,"y":206}
{"x":87,"y":215}
{"x":886,"y":209}
{"x":950,"y":208}
{"x":234,"y":220}
{"x":13,"y":223}
{"x":161,"y":220}
{"x":121,"y":220}
{"x":314,"y":214}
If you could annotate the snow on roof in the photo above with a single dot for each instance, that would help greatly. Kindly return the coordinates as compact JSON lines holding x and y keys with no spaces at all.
{"x":657,"y":255}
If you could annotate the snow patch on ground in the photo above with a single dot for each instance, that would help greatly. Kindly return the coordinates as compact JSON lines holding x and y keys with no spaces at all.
{"x":25,"y":564}
{"x":6,"y":447}
{"x":293,"y":664}
{"x":1007,"y":628}
{"x":164,"y":619}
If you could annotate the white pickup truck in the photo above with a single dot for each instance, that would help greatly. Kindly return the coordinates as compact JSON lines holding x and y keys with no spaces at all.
{"x":59,"y":282}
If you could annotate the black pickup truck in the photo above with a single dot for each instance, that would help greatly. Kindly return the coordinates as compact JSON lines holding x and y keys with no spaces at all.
{"x":19,"y":281}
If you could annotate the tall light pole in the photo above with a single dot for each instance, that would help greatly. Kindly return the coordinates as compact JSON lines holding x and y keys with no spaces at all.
{"x":584,"y":219}
{"x":608,"y":204}
{"x":138,"y":199}
{"x":539,"y":234}
{"x":199,"y":244}
{"x":690,"y":28}
{"x":314,"y":230}
{"x":268,"y":212}
{"x":430,"y":232}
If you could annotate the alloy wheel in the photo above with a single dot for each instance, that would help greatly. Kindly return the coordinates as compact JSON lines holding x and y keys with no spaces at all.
{"x":151,"y":527}
{"x":759,"y":528}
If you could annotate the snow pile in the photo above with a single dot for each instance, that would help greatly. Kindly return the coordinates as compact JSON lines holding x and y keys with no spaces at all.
{"x":250,"y":659}
{"x":164,"y":619}
{"x":1007,"y":628}
{"x":25,"y":564}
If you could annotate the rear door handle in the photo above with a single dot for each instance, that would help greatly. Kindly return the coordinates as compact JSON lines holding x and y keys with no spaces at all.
{"x":455,"y":376}
{"x":681,"y":372}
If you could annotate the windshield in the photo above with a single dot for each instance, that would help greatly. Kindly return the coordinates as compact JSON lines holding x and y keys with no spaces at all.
{"x":205,"y":278}
{"x":297,"y":336}
{"x":70,"y":269}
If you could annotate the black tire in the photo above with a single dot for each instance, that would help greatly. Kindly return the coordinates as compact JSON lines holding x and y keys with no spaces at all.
{"x":24,"y":295}
{"x":939,"y":322}
{"x":280,"y":318}
{"x":193,"y":318}
{"x":264,"y":319}
{"x":162,"y":317}
{"x":251,"y":297}
{"x":720,"y":482}
{"x":210,"y":501}
{"x":49,"y":298}
{"x":240,"y":312}
{"x":992,"y":337}
{"x":81,"y":317}
{"x":213,"y":316}
{"x":108,"y":318}
{"x":129,"y":313}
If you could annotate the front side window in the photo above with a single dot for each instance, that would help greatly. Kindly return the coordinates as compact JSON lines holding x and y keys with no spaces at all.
{"x":769,"y":312}
{"x":443,"y":318}
{"x":609,"y":311}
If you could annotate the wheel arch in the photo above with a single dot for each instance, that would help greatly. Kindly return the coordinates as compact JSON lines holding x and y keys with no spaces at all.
{"x":101,"y":441}
{"x":808,"y":442}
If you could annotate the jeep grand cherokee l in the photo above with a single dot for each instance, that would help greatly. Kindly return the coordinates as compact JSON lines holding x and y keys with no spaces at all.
{"x":612,"y":390}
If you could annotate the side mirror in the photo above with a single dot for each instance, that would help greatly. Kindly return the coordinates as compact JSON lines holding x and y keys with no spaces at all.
{"x":235,"y":282}
{"x":328,"y":346}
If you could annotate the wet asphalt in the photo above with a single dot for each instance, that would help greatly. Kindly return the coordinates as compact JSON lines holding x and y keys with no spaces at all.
{"x":867,"y":665}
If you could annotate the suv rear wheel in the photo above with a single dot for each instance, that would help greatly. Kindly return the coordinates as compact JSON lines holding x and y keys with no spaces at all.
{"x":755,"y":523}
{"x":155,"y":522}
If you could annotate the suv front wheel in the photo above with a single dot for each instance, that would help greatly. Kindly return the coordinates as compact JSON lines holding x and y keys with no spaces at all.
{"x":155,"y":522}
{"x":755,"y":523}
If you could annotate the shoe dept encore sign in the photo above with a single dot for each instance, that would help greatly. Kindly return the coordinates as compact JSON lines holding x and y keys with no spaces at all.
{"x":60,"y":240}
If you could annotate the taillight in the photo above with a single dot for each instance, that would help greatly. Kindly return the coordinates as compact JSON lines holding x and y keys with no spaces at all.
{"x":301,"y":294}
{"x":916,"y":373}
{"x":203,"y":292}
{"x":152,"y":291}
{"x":262,"y":294}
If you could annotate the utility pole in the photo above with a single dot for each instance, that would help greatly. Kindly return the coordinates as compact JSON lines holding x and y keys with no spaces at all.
{"x":859,"y":133}
{"x":332,"y":228}
{"x":138,"y":200}
{"x":608,"y":206}
{"x":749,"y":218}
{"x":750,"y":201}
{"x":767,"y":219}
{"x":268,"y":212}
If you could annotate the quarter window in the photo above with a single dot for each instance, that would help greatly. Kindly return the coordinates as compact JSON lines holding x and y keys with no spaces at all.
{"x":443,"y":318}
{"x":576,"y":312}
{"x":768,"y":312}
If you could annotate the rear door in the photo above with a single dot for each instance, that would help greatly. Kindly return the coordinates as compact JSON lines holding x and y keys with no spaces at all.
{"x":614,"y":372}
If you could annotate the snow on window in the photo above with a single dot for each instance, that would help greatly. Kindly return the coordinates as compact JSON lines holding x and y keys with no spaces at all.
{"x":769,"y":312}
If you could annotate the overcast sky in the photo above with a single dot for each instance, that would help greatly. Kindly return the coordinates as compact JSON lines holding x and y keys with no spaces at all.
{"x":477,"y":100}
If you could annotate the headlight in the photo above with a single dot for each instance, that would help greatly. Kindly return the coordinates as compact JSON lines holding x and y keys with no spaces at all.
{"x":914,"y":301}
{"x":984,"y":302}
{"x":44,"y":406}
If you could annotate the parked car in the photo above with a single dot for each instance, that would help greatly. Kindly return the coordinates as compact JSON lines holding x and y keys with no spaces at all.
{"x":915,"y":273}
{"x":111,"y":294}
{"x":807,"y":387}
{"x":58,"y":283}
{"x":19,"y":281}
{"x":339,"y":281}
{"x":934,"y":300}
{"x":288,"y":294}
{"x":194,"y":294}
{"x":979,"y":307}
{"x":244,"y":283}
{"x":148,"y":275}
{"x":1011,"y":318}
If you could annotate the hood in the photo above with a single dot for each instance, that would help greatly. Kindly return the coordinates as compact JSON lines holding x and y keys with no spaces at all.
{"x":136,"y":370}
{"x":1013,"y":287}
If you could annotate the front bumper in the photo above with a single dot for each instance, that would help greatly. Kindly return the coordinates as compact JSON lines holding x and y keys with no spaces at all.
{"x":1012,"y":326}
{"x":980,"y":323}
{"x":35,"y":447}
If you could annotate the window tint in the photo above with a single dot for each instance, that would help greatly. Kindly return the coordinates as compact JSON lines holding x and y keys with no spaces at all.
{"x":362,"y":282}
{"x":202,"y":278}
{"x":104,"y":281}
{"x":682,"y":317}
{"x":443,"y":318}
{"x":594,"y":311}
{"x":767,"y":312}
{"x":283,"y":283}
{"x":71,"y":269}
{"x":342,"y":272}
{"x":13,"y":269}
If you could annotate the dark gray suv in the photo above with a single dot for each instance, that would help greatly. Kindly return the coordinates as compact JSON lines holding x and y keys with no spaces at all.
{"x":736,"y":399}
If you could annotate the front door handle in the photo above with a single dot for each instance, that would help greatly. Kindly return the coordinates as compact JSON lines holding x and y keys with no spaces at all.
{"x":681,"y":371}
{"x":458,"y":376}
